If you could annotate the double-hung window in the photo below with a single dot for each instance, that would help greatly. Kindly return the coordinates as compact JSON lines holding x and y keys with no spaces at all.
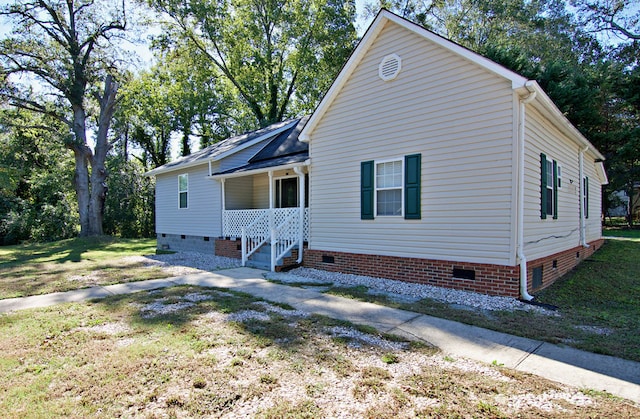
{"x":390,"y":188}
{"x":548,"y":187}
{"x":183,"y":189}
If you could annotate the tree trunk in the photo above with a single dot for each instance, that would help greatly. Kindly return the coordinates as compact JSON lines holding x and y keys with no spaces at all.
{"x":82,"y":155}
{"x":98,"y":169}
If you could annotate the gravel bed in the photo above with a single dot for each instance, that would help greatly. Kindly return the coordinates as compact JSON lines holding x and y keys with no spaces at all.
{"x":416,"y":291}
{"x":398,"y":290}
{"x":193,"y":260}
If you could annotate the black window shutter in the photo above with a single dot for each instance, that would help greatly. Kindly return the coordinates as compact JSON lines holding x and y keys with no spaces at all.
{"x":366,"y":190}
{"x":412,"y":168}
{"x":543,"y":186}
{"x":555,"y":190}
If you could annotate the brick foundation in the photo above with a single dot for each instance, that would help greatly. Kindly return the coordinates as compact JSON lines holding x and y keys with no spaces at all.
{"x":489,"y":279}
{"x":228,"y":248}
{"x":555,"y":266}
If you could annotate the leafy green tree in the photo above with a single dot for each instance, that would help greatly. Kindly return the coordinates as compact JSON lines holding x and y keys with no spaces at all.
{"x":146,"y":105}
{"x":277,"y":56}
{"x":34,"y":169}
{"x":129,"y":208}
{"x":63,"y":46}
{"x":176,"y":97}
{"x":621,"y":17}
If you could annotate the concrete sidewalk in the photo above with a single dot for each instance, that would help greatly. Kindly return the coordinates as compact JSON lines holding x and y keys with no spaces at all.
{"x":558,"y":363}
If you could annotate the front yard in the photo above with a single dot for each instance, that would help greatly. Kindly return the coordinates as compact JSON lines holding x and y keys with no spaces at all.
{"x":196,"y":352}
{"x":598,"y":309}
{"x":192,"y":352}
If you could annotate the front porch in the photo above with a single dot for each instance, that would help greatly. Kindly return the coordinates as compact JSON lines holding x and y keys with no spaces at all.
{"x":266,"y":211}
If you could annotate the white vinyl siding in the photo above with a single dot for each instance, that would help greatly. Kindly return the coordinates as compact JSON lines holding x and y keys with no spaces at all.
{"x":202,"y":217}
{"x":593,"y":223}
{"x":550,"y":236}
{"x":466,"y":182}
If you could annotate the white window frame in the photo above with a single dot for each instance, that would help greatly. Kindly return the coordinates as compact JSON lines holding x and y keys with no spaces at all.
{"x":559,"y":175}
{"x":550,"y":197}
{"x":376,"y":188}
{"x":186,"y":191}
{"x":275,"y":190}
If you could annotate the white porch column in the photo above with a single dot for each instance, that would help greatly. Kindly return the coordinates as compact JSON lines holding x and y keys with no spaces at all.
{"x":224,"y":215}
{"x":272,"y":227}
{"x":301,"y":185}
{"x":270,"y":189}
{"x":224,"y":207}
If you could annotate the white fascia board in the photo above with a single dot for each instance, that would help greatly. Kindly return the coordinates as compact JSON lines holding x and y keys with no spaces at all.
{"x":602,"y":174}
{"x":261,"y":170}
{"x":160,"y":170}
{"x":516,"y":79}
{"x":253,"y":142}
{"x":562,"y":122}
{"x":348,"y":68}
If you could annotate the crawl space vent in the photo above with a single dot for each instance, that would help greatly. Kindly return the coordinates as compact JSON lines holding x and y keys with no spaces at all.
{"x":389,"y":67}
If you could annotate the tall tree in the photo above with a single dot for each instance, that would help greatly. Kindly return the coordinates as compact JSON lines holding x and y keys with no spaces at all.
{"x":61,"y":45}
{"x":621,"y":17}
{"x":34,"y":203}
{"x":278,"y":56}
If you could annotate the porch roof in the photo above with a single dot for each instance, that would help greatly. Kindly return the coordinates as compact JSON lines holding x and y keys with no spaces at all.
{"x":227,"y":147}
{"x":284,"y":151}
{"x":286,"y":162}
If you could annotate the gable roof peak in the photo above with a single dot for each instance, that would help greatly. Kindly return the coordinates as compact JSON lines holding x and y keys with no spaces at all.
{"x":383,"y":17}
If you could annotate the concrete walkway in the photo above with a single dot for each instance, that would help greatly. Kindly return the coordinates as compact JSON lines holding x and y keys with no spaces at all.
{"x":558,"y":363}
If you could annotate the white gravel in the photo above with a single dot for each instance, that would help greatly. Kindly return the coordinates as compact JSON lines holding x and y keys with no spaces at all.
{"x":181,"y":263}
{"x":357,"y":338}
{"x":411,"y":290}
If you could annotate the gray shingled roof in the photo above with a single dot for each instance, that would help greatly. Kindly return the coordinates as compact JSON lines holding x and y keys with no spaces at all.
{"x":282,"y":150}
{"x":215,"y":150}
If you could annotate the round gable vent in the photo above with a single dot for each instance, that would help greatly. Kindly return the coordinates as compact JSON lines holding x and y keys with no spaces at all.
{"x":389,"y":67}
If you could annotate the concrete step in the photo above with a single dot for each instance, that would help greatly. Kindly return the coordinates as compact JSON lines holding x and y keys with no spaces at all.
{"x":259,"y":265}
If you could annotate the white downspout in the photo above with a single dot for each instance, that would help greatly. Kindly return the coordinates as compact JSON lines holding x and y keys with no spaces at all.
{"x":301,"y":185}
{"x":224,"y":208}
{"x":583,"y":222}
{"x":524,"y":294}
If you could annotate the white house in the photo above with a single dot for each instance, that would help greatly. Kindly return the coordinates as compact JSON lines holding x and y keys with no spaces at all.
{"x":426,"y":162}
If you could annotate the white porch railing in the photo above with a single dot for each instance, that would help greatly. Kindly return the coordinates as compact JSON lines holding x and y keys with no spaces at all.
{"x":279,"y":226}
{"x":255,"y":235}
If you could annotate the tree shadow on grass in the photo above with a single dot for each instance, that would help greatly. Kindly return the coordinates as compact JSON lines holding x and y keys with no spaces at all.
{"x":267,"y":324}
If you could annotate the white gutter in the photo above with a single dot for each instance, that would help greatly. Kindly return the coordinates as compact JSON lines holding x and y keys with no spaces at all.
{"x":259,"y":171}
{"x":583,"y":222}
{"x":524,"y":294}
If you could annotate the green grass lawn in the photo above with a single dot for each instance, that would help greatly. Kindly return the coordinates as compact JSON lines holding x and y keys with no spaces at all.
{"x":632,"y":234}
{"x":42,"y":268}
{"x":204,"y":352}
{"x":598,"y":302}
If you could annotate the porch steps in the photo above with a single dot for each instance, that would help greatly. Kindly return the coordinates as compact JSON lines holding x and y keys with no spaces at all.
{"x":261,"y":259}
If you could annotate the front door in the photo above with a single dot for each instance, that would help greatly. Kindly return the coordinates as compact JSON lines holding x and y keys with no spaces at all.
{"x":287,"y":192}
